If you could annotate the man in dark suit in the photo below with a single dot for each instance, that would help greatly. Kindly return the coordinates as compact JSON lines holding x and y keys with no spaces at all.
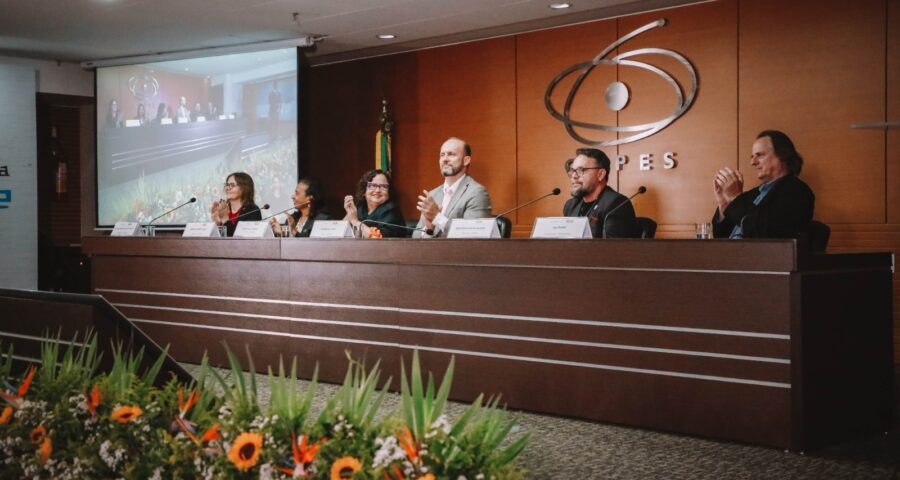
{"x":459,"y":197}
{"x":781,"y":206}
{"x":595,"y":199}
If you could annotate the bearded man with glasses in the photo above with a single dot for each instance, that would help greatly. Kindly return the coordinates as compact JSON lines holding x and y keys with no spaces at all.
{"x":592,"y":197}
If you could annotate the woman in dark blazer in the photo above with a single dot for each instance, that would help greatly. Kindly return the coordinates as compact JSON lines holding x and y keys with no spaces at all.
{"x":308,"y":199}
{"x":374,"y":201}
{"x":238,"y":203}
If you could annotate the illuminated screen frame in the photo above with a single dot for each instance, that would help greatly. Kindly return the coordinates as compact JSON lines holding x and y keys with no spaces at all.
{"x":285,"y":176}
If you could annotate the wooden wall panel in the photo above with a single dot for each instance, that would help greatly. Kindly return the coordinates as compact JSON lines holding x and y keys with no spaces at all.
{"x":543,"y":144}
{"x":704,"y":138}
{"x":892,"y":182}
{"x":465,"y":90}
{"x":811,"y":68}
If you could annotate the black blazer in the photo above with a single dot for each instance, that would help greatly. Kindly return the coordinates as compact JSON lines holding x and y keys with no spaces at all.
{"x":252,"y":215}
{"x":387,"y":212}
{"x":621,"y":224}
{"x":308,"y":226}
{"x":784,"y":212}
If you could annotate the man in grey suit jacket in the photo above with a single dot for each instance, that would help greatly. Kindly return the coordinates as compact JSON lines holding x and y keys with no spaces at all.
{"x":459,"y":197}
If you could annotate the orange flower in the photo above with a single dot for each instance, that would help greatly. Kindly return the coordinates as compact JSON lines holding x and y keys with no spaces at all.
{"x":126,"y":413}
{"x":211,"y":434}
{"x":15,"y":400}
{"x":427,"y":477}
{"x":45,"y":450}
{"x":6,"y":415}
{"x":374,"y":232}
{"x":398,"y":475}
{"x":408,"y":443}
{"x":23,"y":389}
{"x":38,"y":435}
{"x":92,"y":400}
{"x":184,"y":406}
{"x":303,"y":453}
{"x":344,"y":468}
{"x":244,"y":453}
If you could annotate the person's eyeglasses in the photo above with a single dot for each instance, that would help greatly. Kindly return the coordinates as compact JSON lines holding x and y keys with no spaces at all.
{"x":230,"y":185}
{"x":578,"y":172}
{"x":378,"y":186}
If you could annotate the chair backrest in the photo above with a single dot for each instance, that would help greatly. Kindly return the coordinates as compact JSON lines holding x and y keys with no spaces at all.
{"x":818,"y":233}
{"x":647,"y":227}
{"x":505,"y":226}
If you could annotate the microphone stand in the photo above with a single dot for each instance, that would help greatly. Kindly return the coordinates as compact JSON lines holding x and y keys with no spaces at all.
{"x":427,"y":231}
{"x":641,"y":189}
{"x":287,"y":210}
{"x":149,"y":225}
{"x":555,"y":191}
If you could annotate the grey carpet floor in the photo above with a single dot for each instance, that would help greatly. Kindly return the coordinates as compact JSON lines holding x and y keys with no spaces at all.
{"x":564,"y":448}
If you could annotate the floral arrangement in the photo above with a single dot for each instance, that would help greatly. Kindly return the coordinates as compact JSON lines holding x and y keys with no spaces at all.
{"x":64,"y":419}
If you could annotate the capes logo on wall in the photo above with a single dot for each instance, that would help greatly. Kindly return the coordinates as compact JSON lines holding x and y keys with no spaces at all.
{"x":5,"y":195}
{"x":617,"y":96}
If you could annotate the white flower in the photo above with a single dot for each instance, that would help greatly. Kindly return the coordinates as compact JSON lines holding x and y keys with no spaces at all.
{"x":442,"y":423}
{"x":389,"y":451}
{"x":266,"y":472}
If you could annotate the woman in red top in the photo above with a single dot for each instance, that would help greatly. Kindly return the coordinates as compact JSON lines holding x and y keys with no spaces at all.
{"x":237,"y":204}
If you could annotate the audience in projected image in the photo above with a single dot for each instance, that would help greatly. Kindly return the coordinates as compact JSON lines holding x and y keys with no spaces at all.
{"x":266,"y":167}
{"x":238,"y":204}
{"x":373,"y":207}
{"x":113,"y":116}
{"x":308,"y":201}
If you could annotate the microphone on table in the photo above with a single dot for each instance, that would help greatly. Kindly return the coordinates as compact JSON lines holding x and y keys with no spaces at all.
{"x":642,"y":189}
{"x":192,"y":200}
{"x":426,"y":231}
{"x":260,"y":209}
{"x":286,"y":210}
{"x":555,"y":191}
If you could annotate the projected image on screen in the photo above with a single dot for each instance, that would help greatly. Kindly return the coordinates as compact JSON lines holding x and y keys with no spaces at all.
{"x":168,"y":131}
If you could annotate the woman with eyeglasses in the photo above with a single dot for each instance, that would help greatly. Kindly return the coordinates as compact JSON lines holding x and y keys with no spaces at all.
{"x":238,"y":203}
{"x":373,"y":207}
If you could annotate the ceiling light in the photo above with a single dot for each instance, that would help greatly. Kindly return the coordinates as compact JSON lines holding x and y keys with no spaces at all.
{"x":387,"y":36}
{"x":560,"y":6}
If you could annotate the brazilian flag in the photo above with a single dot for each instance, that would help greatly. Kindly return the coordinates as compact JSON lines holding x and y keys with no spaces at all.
{"x":383,"y":150}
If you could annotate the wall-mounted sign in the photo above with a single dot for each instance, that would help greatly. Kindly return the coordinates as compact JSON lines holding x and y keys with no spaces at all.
{"x":617,"y":94}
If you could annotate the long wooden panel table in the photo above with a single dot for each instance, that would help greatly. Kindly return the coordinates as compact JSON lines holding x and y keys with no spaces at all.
{"x":753,"y":341}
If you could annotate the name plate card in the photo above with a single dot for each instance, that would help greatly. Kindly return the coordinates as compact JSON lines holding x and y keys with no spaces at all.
{"x":127,"y":229}
{"x":247,"y":229}
{"x":331,"y":229}
{"x":561,"y":227}
{"x":473,"y":228}
{"x":201,"y":229}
